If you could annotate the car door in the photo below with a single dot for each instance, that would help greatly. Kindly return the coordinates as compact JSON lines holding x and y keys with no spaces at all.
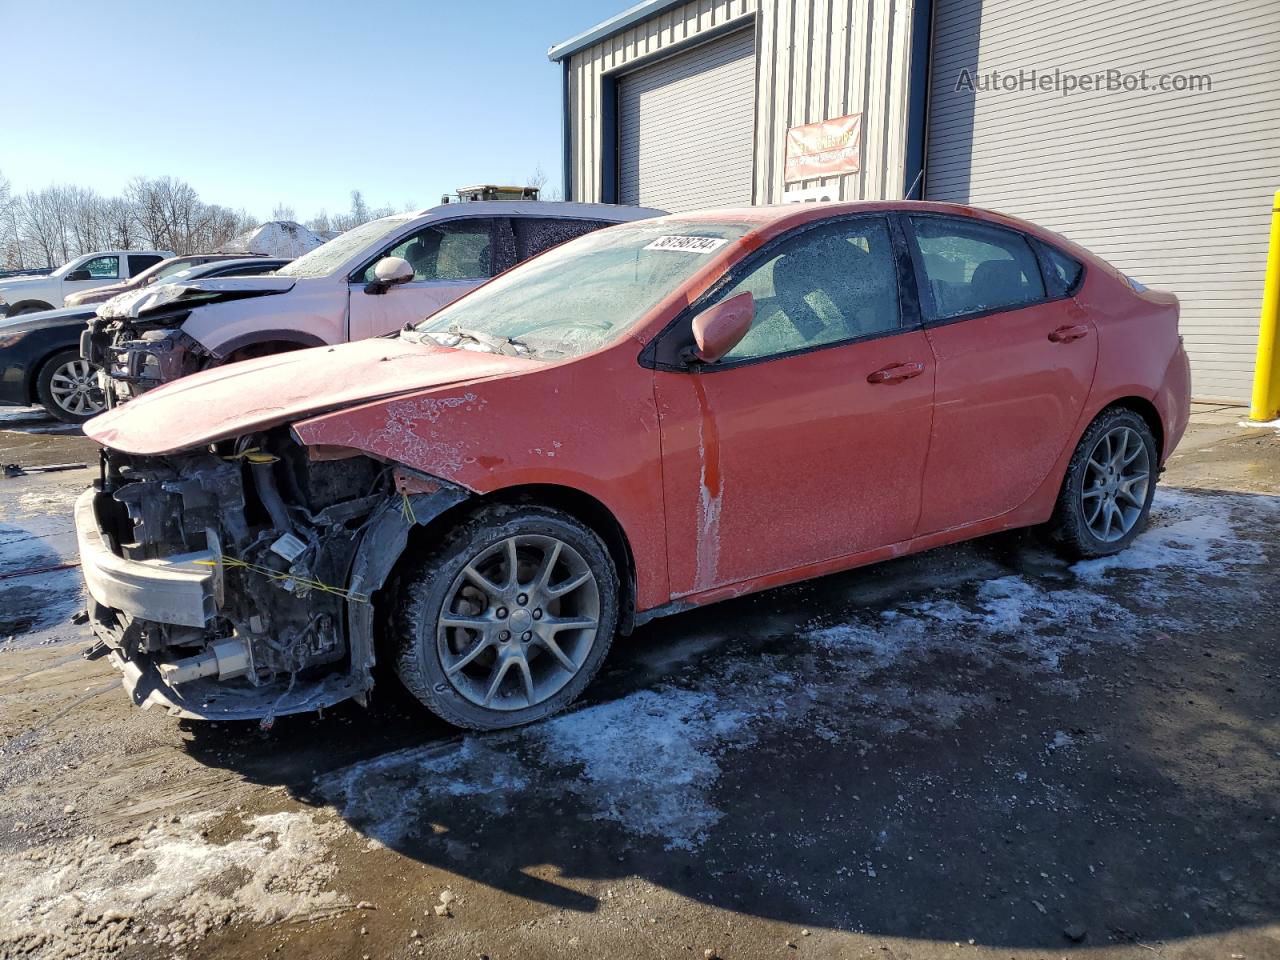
{"x":807,"y":441}
{"x":1015,"y":361}
{"x":448,"y":258}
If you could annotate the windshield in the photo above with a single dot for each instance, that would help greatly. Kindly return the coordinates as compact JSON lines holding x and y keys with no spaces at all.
{"x":583,"y":294}
{"x":70,"y":265}
{"x":165,"y":269}
{"x":327,"y":257}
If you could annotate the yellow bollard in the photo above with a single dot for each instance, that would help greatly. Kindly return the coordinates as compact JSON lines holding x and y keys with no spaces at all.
{"x":1266,"y":372}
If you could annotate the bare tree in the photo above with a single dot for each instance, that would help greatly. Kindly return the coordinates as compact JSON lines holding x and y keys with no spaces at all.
{"x":10,"y":247}
{"x":539,"y":179}
{"x":283,"y":211}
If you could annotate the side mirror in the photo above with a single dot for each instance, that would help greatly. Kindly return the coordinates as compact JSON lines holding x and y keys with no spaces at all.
{"x":719,"y":329}
{"x":79,"y":275}
{"x":387,"y":273}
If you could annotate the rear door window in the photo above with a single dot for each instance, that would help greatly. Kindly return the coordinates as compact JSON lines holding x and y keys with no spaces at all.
{"x":140,"y":262}
{"x":972,"y":267}
{"x":536,"y":234}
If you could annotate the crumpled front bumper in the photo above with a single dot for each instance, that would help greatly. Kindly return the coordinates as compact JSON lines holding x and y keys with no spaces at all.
{"x":184,"y":591}
{"x":180,"y":589}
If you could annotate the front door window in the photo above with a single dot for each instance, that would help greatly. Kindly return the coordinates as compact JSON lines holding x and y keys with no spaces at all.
{"x":457,"y":250}
{"x":103,"y":268}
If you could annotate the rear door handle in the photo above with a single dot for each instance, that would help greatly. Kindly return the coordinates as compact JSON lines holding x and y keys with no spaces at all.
{"x":1067,"y":334}
{"x":897,"y":372}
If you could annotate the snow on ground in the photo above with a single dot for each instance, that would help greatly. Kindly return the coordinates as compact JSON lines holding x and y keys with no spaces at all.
{"x":174,"y":873}
{"x":650,"y":760}
{"x":23,"y":415}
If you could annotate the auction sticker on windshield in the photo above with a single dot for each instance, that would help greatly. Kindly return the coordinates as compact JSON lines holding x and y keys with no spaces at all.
{"x":688,"y":244}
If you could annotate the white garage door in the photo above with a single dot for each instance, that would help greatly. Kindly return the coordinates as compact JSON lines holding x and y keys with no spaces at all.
{"x":685,"y":127}
{"x":1173,"y":187}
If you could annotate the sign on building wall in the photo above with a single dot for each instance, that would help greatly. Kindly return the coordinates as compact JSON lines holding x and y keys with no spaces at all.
{"x":824,"y":149}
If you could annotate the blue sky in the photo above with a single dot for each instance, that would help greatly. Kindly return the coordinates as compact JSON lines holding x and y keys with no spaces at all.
{"x":258,"y":103}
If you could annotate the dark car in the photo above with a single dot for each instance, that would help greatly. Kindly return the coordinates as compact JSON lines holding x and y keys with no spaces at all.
{"x":40,"y":361}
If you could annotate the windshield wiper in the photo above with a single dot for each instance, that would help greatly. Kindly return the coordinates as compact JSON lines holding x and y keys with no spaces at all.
{"x":507,"y":346}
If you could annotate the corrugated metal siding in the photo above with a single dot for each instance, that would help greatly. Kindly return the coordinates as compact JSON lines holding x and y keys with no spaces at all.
{"x":685,"y":127}
{"x":1173,"y":188}
{"x":827,"y":58}
{"x":678,"y":25}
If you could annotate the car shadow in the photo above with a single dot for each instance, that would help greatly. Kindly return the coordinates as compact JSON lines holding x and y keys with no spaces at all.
{"x":978,"y":743}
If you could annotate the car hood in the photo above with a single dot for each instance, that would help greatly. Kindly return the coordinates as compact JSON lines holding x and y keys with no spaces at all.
{"x":66,"y":316}
{"x":11,"y":282}
{"x":161,"y":295}
{"x":251,"y":395}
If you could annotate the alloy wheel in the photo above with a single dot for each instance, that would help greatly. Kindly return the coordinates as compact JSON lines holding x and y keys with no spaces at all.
{"x":1117,"y":478}
{"x":74,"y":387}
{"x":518,"y":622}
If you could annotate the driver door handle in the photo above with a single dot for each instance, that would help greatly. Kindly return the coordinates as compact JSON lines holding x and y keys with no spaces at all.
{"x":896,"y":373}
{"x":1067,"y":334}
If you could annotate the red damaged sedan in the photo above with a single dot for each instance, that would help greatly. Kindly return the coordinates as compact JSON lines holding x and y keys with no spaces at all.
{"x":649,"y":418}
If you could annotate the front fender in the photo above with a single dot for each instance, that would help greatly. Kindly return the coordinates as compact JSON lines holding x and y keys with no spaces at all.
{"x":376,"y":556}
{"x":588,"y":424}
{"x":311,"y":315}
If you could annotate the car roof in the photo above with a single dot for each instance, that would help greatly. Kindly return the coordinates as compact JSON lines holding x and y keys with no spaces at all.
{"x":775,"y":218}
{"x":615,"y":212}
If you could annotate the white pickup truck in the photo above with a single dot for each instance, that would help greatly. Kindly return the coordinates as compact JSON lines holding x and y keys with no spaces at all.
{"x":20,"y":295}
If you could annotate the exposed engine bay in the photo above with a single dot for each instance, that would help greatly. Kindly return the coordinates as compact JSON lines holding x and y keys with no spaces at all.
{"x":137,"y":341}
{"x":276,"y":613}
{"x":137,"y":354}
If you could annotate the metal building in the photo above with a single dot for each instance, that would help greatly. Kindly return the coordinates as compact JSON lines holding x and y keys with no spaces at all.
{"x":700,"y":103}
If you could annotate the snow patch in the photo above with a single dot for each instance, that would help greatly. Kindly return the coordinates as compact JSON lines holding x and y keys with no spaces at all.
{"x":648,"y":761}
{"x":1188,"y":535}
{"x":389,"y":798}
{"x":171,"y":884}
{"x":275,"y":238}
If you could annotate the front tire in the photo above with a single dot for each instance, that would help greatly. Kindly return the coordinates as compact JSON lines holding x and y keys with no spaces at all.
{"x":68,"y":388}
{"x":508,"y":619}
{"x":31,"y":307}
{"x":1107,"y":491}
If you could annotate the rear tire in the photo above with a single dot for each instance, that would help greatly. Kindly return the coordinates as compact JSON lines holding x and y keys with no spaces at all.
{"x":1107,"y":491}
{"x":487,"y":649}
{"x":67,"y":386}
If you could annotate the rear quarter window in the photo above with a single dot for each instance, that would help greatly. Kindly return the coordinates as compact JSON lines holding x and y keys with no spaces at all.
{"x":1061,"y":272}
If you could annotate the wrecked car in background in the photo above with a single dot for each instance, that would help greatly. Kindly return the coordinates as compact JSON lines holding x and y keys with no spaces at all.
{"x":369,"y":281}
{"x":646,"y":419}
{"x":40,"y":353}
